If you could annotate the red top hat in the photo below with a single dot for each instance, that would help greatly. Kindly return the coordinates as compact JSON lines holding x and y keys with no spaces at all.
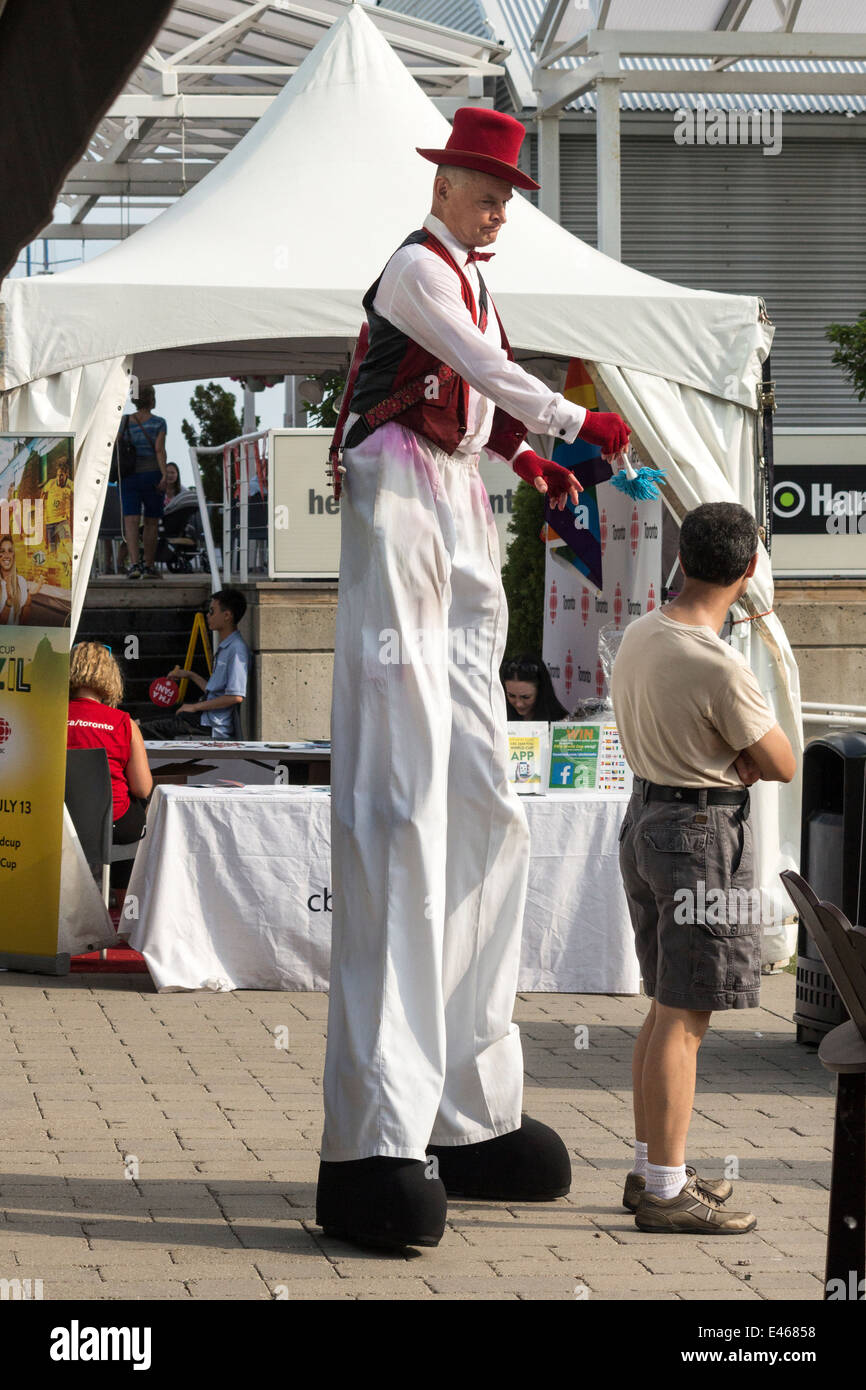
{"x":487,"y":141}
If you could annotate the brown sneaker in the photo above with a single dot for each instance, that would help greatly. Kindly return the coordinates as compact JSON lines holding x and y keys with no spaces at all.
{"x":695,"y":1211}
{"x":719,"y":1188}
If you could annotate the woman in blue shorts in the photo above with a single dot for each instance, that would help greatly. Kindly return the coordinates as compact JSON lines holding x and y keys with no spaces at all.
{"x":145,"y":488}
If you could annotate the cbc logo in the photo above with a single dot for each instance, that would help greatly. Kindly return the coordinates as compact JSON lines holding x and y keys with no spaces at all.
{"x":789,"y":499}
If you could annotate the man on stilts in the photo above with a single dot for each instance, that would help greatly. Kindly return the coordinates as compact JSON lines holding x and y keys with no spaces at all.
{"x":429,"y":842}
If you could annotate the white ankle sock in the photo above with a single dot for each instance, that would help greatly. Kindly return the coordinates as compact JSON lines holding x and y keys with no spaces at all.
{"x":639,"y":1158}
{"x":665,"y":1182}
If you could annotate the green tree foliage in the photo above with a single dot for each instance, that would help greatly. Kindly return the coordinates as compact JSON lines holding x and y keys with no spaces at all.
{"x":523,"y":572}
{"x":324,"y":415}
{"x":850,"y":354}
{"x":215,"y":409}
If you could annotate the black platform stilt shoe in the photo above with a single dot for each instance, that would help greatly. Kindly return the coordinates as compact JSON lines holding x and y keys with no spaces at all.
{"x":386,"y":1203}
{"x":531,"y":1164}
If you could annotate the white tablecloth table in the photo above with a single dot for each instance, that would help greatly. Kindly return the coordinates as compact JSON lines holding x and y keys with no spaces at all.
{"x":216,"y":761}
{"x":231,"y":890}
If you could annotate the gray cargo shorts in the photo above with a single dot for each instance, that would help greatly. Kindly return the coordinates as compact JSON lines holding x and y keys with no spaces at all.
{"x":687,"y":874}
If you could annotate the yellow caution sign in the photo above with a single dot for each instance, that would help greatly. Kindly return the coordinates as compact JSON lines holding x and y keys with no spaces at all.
{"x":199,"y":630}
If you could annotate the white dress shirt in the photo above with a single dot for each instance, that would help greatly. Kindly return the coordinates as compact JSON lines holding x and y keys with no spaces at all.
{"x":420,"y":295}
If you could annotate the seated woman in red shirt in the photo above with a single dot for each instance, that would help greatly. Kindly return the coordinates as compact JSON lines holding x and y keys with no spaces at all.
{"x":95,"y":691}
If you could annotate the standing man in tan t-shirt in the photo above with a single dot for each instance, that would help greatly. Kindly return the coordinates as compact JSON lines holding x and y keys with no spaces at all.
{"x":696,"y":732}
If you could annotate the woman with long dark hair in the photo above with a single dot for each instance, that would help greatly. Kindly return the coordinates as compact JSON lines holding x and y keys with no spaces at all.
{"x":529,"y":690}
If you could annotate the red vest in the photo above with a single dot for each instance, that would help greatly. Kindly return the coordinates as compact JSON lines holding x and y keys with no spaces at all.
{"x":394,"y":378}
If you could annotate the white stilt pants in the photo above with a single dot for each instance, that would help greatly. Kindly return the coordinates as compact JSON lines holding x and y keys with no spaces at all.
{"x":429,"y":842}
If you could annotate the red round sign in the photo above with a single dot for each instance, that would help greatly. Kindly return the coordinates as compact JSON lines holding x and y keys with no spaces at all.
{"x":164,"y":691}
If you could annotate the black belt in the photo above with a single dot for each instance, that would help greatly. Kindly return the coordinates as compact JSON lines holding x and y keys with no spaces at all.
{"x":715,"y":796}
{"x":357,"y":434}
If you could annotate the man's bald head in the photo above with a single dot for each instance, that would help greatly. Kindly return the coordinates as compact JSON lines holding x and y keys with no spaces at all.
{"x":470,"y":203}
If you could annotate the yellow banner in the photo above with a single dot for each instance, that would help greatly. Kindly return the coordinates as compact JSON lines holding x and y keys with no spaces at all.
{"x":36,"y":527}
{"x":34,"y":694}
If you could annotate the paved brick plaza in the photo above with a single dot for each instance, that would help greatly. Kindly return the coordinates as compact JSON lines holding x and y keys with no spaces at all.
{"x":101,"y":1075}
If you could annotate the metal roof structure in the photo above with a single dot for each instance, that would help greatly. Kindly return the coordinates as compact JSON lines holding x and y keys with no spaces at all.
{"x":216,"y":65}
{"x":530,"y":27}
{"x":83,"y":53}
{"x":707,"y":47}
{"x":214,"y":68}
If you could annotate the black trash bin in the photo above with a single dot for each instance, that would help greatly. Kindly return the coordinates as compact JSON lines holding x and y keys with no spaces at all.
{"x":833,"y":863}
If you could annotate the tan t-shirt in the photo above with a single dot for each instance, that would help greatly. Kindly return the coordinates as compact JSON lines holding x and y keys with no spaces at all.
{"x":685,"y":703}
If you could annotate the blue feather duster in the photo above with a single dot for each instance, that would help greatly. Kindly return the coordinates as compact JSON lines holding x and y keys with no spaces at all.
{"x":641,"y":484}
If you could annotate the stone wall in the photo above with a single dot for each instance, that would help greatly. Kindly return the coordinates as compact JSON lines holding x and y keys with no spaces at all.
{"x":825,"y":621}
{"x":290,"y":628}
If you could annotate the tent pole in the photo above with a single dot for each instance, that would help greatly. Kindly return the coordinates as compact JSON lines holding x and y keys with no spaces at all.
{"x":228,"y":468}
{"x":205,"y":520}
{"x":243,"y":515}
{"x":607,"y":153}
{"x":548,"y":164}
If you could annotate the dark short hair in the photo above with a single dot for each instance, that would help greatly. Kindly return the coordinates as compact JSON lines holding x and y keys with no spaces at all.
{"x":233,"y":601}
{"x":146,"y":398}
{"x":717,"y":542}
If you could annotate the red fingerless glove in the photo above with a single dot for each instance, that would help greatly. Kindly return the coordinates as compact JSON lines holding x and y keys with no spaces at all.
{"x":609,"y":432}
{"x":529,"y":466}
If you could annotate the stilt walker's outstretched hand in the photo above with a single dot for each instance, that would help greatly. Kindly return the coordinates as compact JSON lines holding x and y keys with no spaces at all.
{"x":559,"y":483}
{"x":609,"y":432}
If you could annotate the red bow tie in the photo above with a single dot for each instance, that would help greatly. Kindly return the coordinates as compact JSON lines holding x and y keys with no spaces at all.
{"x":480,"y":256}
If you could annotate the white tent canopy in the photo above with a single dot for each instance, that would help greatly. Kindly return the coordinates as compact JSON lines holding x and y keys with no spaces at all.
{"x":263,"y":265}
{"x":277,"y":245}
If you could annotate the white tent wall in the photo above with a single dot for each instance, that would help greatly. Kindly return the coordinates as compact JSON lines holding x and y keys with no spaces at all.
{"x":86,"y":402}
{"x":278,"y":244}
{"x":707,"y":448}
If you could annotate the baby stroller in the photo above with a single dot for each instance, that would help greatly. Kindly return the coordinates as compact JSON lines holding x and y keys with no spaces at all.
{"x":181,"y":545}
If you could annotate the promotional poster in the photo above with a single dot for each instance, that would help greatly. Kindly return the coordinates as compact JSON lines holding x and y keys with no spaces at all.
{"x":36,"y":511}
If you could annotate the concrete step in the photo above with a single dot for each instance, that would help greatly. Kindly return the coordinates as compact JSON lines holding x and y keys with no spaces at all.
{"x":159,"y":615}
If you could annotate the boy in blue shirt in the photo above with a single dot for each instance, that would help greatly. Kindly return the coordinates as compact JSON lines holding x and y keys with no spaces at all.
{"x":212,"y":717}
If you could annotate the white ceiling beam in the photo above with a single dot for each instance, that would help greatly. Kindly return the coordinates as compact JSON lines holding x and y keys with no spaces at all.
{"x":91,"y":171}
{"x":154,"y":59}
{"x":226,"y":70}
{"x":572,"y":49}
{"x":788,"y":11}
{"x":561,"y":88}
{"x":165,"y":188}
{"x":752,"y":83}
{"x":169,"y":108}
{"x":681,"y":43}
{"x":444,"y":55}
{"x":732,"y":17}
{"x":89,"y":231}
{"x":231,"y":28}
{"x":791,"y":16}
{"x":243,"y":105}
{"x":549,"y":23}
{"x":118,"y":151}
{"x":556,"y":89}
{"x":733,"y":14}
{"x":543,"y":40}
{"x":237,"y":69}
